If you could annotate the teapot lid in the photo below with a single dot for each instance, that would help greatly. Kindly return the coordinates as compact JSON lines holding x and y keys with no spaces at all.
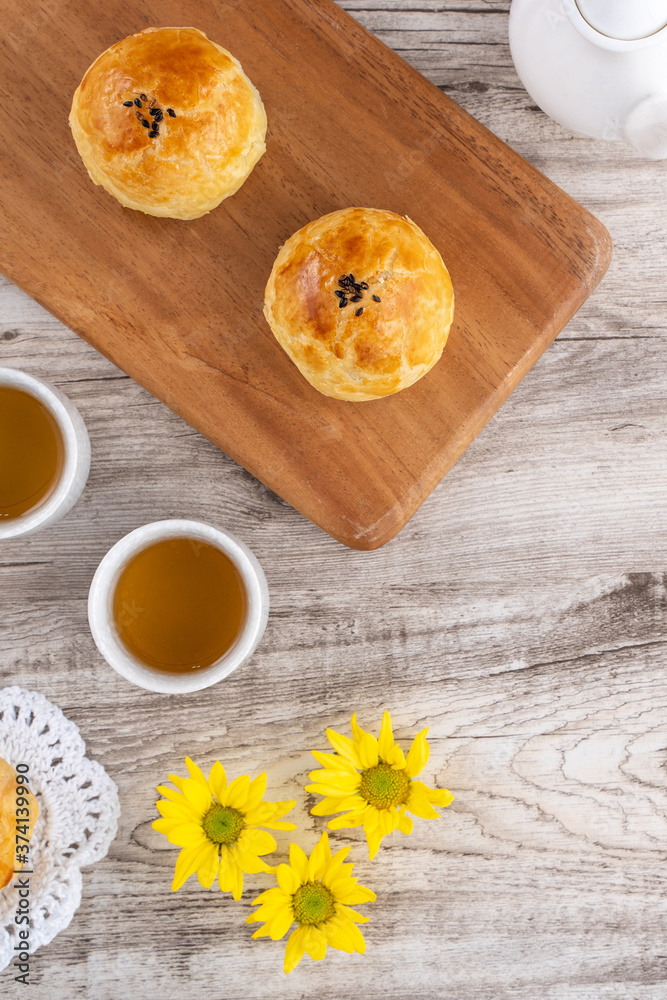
{"x":626,"y":20}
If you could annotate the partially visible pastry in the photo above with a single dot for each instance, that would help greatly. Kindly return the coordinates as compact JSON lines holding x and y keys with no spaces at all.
{"x":15,"y":820}
{"x":362,"y":303}
{"x":168,"y":122}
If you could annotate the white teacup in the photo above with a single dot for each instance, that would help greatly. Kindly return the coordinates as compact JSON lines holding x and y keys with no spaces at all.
{"x":76,"y":464}
{"x":101,"y":617}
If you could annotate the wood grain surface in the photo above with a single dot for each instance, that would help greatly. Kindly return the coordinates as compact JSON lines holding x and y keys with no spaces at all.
{"x":522,"y":615}
{"x":179,"y":306}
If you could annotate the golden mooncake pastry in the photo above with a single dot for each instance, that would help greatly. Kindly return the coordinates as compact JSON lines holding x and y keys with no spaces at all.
{"x":8,"y":821}
{"x":362,"y":302}
{"x":168,"y":122}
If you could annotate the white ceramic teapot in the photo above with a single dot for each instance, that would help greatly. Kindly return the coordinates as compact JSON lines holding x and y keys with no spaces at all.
{"x":599,"y":67}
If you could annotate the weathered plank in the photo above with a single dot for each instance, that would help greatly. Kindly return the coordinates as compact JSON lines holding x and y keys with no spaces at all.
{"x":522,"y":615}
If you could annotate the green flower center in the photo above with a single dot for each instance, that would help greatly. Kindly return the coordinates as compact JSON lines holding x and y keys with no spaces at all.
{"x":222,"y":824}
{"x":312,"y":903}
{"x":384,"y":787}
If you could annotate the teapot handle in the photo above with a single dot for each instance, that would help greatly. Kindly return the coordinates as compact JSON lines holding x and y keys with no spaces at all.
{"x":646,"y":127}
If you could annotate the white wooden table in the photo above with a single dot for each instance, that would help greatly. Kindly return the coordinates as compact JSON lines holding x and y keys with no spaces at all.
{"x":522,"y":615}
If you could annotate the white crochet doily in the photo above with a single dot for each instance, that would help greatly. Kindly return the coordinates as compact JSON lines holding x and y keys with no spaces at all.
{"x":78,"y":816}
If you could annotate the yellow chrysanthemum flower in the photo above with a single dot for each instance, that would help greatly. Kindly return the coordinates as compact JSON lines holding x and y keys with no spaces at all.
{"x":372,"y":781}
{"x":216,"y":824}
{"x":316,"y":893}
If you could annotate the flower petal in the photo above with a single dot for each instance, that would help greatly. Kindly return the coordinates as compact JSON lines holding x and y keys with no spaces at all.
{"x":418,"y":755}
{"x":288,"y":880}
{"x":386,"y":738}
{"x":353,"y":802}
{"x":357,"y":731}
{"x":249,"y":863}
{"x":367,"y":750}
{"x":418,"y":801}
{"x":280,"y":923}
{"x":230,"y":876}
{"x":270,"y":896}
{"x":316,"y":943}
{"x":371,"y":818}
{"x":275,"y":824}
{"x":165,"y":826}
{"x":236,"y":794}
{"x":337,"y":935}
{"x":405,"y":824}
{"x":262,"y":932}
{"x":319,"y":859}
{"x":346,"y":913}
{"x":374,"y":839}
{"x":256,"y":791}
{"x":281,"y":809}
{"x":331,"y":789}
{"x":257,"y":841}
{"x":296,"y":946}
{"x":266,"y":813}
{"x":298,"y":862}
{"x":440,"y":796}
{"x":388,"y":820}
{"x":341,"y":879}
{"x":217,"y":780}
{"x":188,"y":862}
{"x":344,"y":746}
{"x":334,"y":762}
{"x":208,"y":868}
{"x":198,"y":795}
{"x":187,"y":835}
{"x":336,"y":867}
{"x":347,"y":783}
{"x":357,"y":938}
{"x":348,"y":822}
{"x":170,"y":794}
{"x":328,"y":806}
{"x":179,"y":810}
{"x":268,"y":912}
{"x":196,"y":772}
{"x":355,"y":894}
{"x":396,"y":758}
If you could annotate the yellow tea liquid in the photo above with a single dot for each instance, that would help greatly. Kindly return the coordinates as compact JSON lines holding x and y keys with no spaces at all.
{"x":179,"y":605}
{"x":31,"y":452}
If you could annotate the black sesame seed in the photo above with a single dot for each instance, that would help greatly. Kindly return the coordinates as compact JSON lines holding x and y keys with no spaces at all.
{"x":364,"y":285}
{"x":376,"y":298}
{"x":139,"y":115}
{"x":359,"y":311}
{"x":143,"y":97}
{"x":342,"y":303}
{"x":351,"y":277}
{"x":170,"y":111}
{"x":145,"y":123}
{"x":159,"y":116}
{"x":152,"y":134}
{"x":356,"y":298}
{"x":339,"y":293}
{"x":153,"y":112}
{"x":137,"y":102}
{"x":128,"y":104}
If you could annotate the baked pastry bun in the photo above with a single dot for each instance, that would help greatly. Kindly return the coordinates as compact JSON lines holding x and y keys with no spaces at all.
{"x":168,"y":122}
{"x":9,"y":818}
{"x":362,"y":303}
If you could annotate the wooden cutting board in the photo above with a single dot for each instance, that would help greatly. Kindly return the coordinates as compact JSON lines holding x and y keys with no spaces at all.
{"x":179,"y":305}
